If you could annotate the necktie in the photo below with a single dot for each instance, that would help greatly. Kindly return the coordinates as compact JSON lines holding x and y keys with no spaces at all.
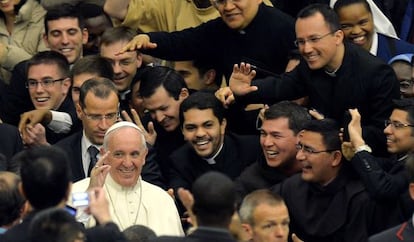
{"x":93,"y":151}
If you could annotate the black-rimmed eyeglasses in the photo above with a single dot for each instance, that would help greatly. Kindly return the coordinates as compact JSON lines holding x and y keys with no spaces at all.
{"x":44,"y":83}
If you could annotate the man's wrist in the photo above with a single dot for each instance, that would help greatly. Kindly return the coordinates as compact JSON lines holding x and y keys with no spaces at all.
{"x":363,"y":147}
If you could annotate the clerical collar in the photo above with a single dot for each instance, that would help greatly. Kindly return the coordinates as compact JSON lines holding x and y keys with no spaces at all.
{"x":122,"y":95}
{"x":211,"y":160}
{"x":402,"y":157}
{"x":332,"y":73}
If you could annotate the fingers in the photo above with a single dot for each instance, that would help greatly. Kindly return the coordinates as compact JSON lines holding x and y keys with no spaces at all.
{"x":295,"y":238}
{"x":137,"y":119}
{"x":141,"y":41}
{"x":171,"y":193}
{"x":126,"y":116}
{"x":356,"y":117}
{"x":186,"y":198}
{"x":316,"y":114}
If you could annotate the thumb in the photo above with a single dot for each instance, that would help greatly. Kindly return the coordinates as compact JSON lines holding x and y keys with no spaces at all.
{"x":295,"y":238}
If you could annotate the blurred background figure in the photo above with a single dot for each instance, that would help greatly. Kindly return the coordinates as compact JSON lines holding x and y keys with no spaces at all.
{"x":21,"y":31}
{"x":403,"y":67}
{"x":139,"y":233}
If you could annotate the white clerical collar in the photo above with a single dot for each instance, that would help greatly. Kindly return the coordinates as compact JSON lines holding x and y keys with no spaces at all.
{"x":374,"y":45}
{"x":211,"y":160}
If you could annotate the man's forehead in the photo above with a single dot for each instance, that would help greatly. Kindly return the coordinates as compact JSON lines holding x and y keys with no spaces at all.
{"x":44,"y":69}
{"x":56,"y":24}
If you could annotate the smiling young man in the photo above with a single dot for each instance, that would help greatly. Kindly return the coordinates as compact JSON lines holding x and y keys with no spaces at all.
{"x":277,"y":161}
{"x":64,"y":33}
{"x":385,"y":178}
{"x":48,"y":85}
{"x":208,"y":146}
{"x":335,"y":75}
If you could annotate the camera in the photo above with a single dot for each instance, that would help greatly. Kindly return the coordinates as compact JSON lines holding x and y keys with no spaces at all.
{"x":80,"y":199}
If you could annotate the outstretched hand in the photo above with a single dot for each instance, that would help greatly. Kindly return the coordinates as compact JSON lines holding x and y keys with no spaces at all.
{"x":150,"y":135}
{"x":355,"y":129}
{"x":241,"y":79}
{"x":141,"y":41}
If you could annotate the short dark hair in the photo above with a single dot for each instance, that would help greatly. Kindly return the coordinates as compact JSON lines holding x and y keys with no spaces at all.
{"x":297,"y":115}
{"x":407,"y":105}
{"x":45,"y":174}
{"x":203,"y":65}
{"x":117,"y":34}
{"x":100,"y":87}
{"x":331,"y":18}
{"x":64,"y":10}
{"x":214,"y":199}
{"x":139,"y":233}
{"x":93,"y":64}
{"x":157,"y":76}
{"x":328,"y":129}
{"x":202,"y":100}
{"x":54,"y":225}
{"x":11,"y":200}
{"x":344,"y":3}
{"x":50,"y":57}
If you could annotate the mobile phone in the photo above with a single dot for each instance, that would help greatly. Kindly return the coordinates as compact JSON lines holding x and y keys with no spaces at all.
{"x":345,"y":121}
{"x":80,"y":199}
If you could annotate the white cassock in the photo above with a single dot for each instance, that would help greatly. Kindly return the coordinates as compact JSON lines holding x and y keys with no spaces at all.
{"x":144,"y":204}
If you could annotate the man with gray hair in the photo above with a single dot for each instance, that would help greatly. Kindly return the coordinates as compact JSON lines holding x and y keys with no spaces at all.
{"x":132,"y":200}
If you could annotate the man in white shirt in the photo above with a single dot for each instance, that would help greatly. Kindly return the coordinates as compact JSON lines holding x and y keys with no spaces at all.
{"x":132,"y":200}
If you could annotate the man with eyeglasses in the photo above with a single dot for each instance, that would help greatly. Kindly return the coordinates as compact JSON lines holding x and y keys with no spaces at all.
{"x":325,"y":202}
{"x":48,"y":85}
{"x":98,"y":110}
{"x":403,"y":67}
{"x":335,"y":75}
{"x":65,"y":33}
{"x":385,"y":178}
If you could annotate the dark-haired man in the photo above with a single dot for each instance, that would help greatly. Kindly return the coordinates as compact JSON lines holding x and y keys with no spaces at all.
{"x":325,"y":203}
{"x":65,"y":33}
{"x":208,"y":147}
{"x":280,"y":125}
{"x":335,"y":75}
{"x":385,"y":178}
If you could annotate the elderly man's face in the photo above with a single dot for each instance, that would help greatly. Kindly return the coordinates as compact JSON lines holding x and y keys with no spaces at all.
{"x":237,"y":14}
{"x":127,"y":156}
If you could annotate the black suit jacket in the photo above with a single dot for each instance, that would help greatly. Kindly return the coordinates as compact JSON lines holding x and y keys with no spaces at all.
{"x":72,"y":146}
{"x":402,"y":232}
{"x":10,"y":144}
{"x":199,"y":235}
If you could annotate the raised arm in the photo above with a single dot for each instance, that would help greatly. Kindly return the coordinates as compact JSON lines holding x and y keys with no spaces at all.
{"x":117,"y":8}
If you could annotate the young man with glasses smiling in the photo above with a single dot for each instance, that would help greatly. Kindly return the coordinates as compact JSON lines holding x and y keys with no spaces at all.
{"x":325,"y":202}
{"x":385,"y":178}
{"x":335,"y":75}
{"x":48,"y":85}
